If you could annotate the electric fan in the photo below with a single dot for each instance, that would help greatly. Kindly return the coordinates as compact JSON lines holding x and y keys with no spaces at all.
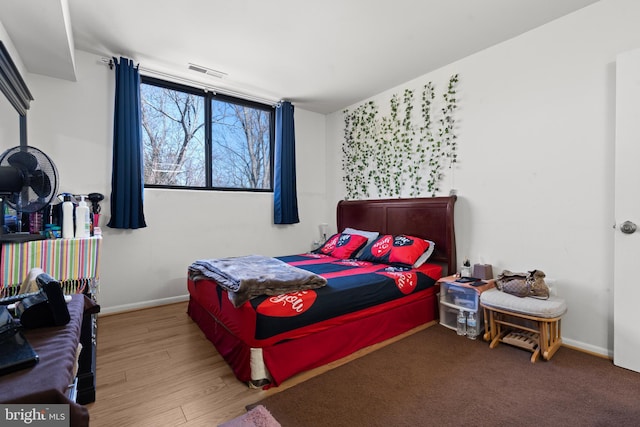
{"x":28,"y":183}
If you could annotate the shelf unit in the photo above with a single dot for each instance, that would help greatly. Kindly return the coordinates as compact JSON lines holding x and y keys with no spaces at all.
{"x":456,"y":296}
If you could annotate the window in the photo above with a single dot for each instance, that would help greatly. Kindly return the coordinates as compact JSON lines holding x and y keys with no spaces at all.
{"x":200,"y":140}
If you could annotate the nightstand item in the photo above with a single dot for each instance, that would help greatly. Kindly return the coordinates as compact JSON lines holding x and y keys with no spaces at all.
{"x":461,"y":295}
{"x":483,"y":271}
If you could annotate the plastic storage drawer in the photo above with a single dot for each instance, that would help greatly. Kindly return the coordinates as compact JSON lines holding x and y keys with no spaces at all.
{"x":458,"y":295}
{"x":448,"y":316}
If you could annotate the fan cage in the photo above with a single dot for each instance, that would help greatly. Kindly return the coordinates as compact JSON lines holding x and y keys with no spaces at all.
{"x":39,"y":176}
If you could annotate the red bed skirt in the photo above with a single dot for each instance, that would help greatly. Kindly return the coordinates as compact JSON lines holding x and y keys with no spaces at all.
{"x":288,"y":358}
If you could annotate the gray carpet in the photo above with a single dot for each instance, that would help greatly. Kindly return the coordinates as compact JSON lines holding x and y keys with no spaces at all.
{"x":436,"y":378}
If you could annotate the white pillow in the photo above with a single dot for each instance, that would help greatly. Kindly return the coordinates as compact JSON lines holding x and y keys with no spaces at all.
{"x":370,"y":235}
{"x":425,"y":256}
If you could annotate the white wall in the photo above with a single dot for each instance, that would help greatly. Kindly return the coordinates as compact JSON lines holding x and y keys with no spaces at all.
{"x":72,"y":122}
{"x":536,"y":137}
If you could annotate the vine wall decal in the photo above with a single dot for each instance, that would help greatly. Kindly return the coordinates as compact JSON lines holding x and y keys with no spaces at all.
{"x":390,"y":154}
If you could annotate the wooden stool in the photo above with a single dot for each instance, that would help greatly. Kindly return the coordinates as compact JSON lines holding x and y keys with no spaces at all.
{"x":529,"y":323}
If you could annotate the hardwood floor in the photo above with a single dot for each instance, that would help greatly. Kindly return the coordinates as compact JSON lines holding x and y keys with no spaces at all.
{"x":156,"y":368}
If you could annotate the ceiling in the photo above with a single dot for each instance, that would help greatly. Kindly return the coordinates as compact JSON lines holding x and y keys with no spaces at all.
{"x":323,"y":56}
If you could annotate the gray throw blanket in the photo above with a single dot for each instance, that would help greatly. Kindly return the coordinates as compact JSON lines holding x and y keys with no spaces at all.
{"x":249,"y":276}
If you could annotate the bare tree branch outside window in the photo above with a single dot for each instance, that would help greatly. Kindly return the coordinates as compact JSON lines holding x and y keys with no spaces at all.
{"x":173,"y":128}
{"x":241,"y":145}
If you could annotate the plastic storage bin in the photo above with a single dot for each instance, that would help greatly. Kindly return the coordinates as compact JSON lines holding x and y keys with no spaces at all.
{"x":448,"y":316}
{"x":459,"y":296}
{"x":454,"y":298}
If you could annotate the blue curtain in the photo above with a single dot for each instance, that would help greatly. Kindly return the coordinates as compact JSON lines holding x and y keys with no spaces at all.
{"x":285,"y":209}
{"x":127,"y":183}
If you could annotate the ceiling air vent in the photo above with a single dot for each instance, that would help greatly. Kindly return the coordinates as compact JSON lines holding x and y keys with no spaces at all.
{"x":207,"y":71}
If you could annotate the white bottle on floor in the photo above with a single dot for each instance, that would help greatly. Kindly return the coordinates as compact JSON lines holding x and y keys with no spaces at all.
{"x":462,"y":323}
{"x":472,"y":326}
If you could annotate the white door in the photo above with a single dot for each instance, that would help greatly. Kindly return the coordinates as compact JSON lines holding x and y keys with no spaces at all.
{"x":626,"y":297}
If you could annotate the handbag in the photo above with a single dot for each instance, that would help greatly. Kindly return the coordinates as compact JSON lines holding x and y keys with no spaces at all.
{"x":529,"y":284}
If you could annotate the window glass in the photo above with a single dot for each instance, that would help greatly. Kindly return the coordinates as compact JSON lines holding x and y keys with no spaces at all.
{"x":197,"y":139}
{"x":241,"y":146}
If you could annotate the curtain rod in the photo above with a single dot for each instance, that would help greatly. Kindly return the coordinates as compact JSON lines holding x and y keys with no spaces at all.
{"x":200,"y":85}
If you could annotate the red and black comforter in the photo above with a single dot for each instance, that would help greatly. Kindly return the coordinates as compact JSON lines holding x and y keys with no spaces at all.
{"x":354,"y":288}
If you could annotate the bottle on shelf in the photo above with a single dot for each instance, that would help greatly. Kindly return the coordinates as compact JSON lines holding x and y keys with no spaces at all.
{"x":472,"y":326}
{"x":67,"y":217}
{"x":83,"y":221}
{"x":462,"y":323}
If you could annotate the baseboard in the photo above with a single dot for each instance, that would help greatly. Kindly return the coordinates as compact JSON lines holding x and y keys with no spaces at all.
{"x":141,"y":305}
{"x":587,"y":348}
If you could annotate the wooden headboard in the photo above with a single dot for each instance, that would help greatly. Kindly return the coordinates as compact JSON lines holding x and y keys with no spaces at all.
{"x":429,"y":218}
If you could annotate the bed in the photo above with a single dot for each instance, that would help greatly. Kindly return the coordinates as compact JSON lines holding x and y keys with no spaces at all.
{"x":265,"y":344}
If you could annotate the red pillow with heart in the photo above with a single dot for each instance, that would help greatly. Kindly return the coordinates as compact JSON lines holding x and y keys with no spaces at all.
{"x":342,"y":245}
{"x":401,"y":250}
